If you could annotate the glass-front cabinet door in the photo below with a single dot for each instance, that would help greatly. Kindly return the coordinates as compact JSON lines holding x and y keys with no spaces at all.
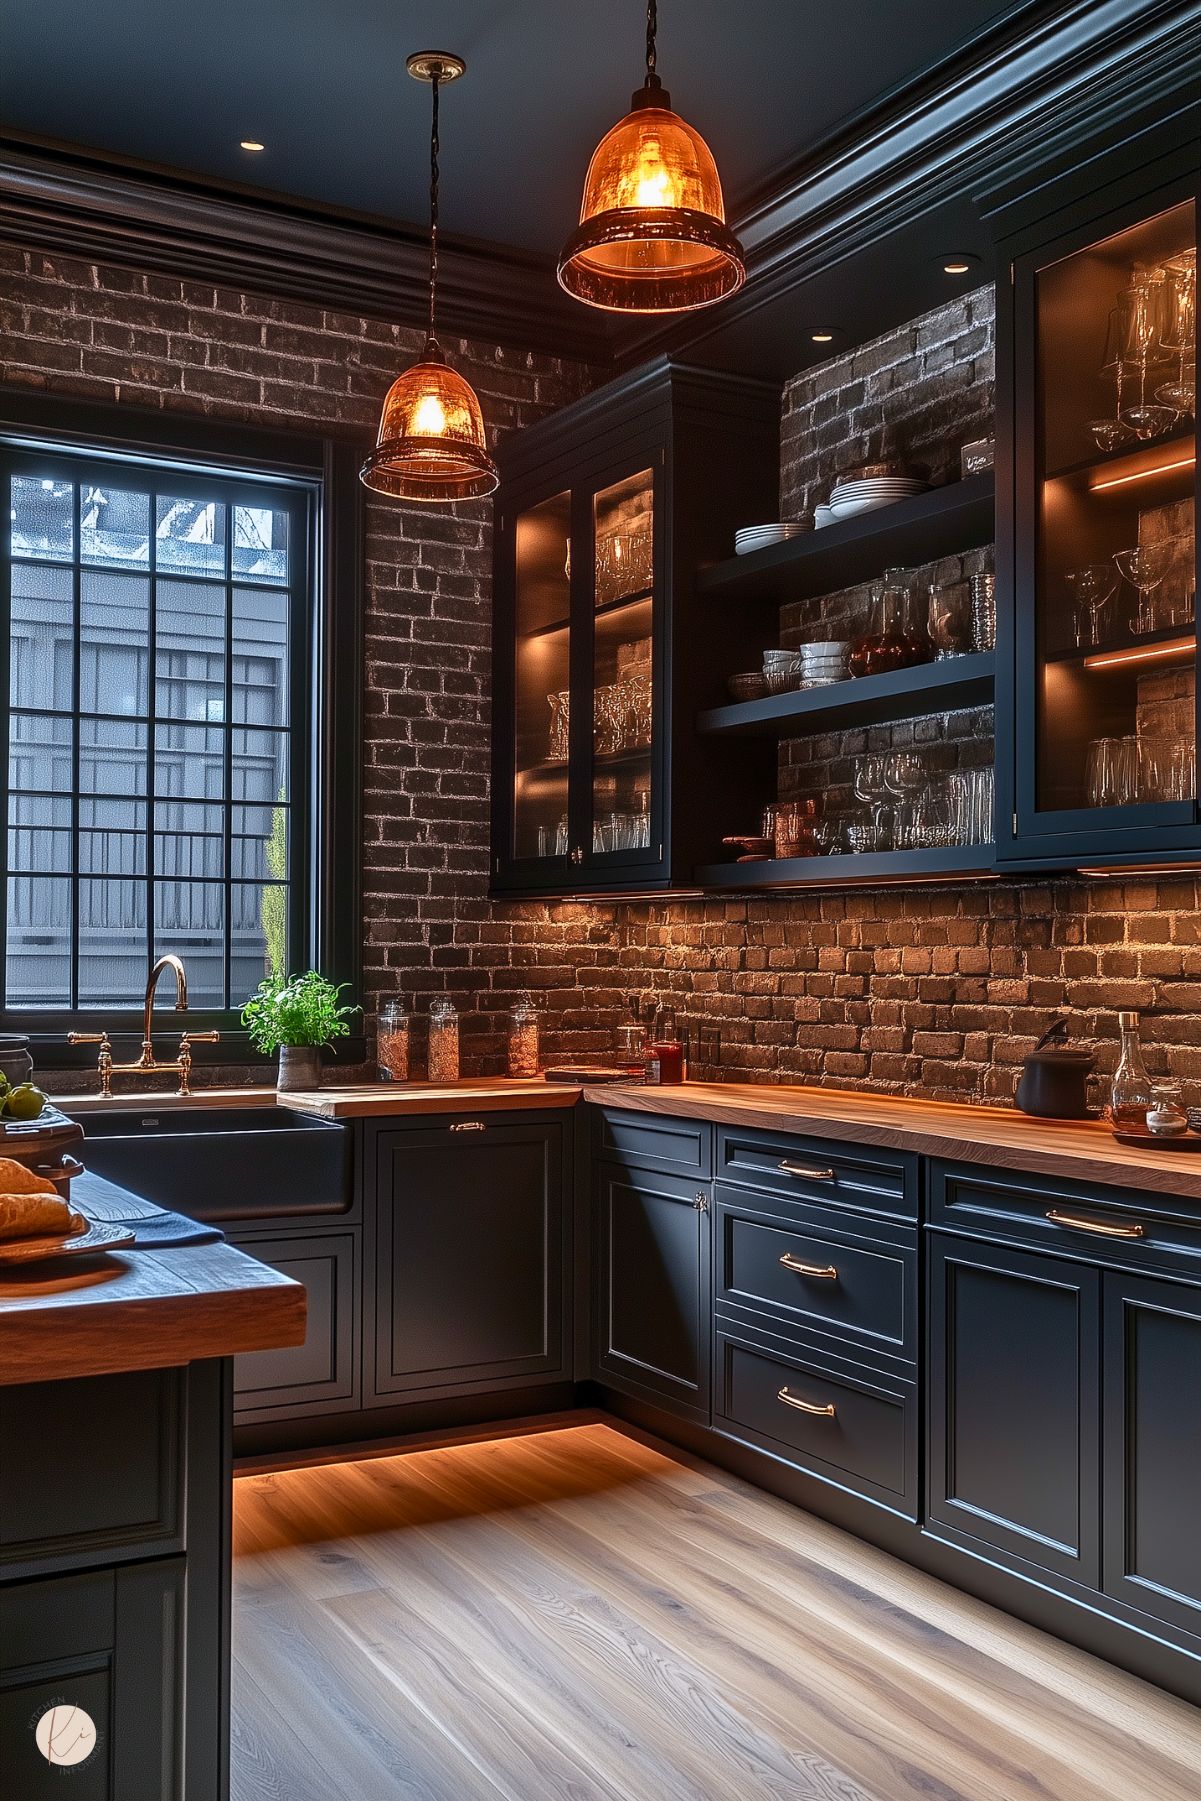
{"x":577,"y":710}
{"x":539,"y":823}
{"x":623,"y":805}
{"x":1105,"y":541}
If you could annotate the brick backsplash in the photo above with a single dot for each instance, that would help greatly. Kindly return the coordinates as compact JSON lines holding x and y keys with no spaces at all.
{"x":938,"y":991}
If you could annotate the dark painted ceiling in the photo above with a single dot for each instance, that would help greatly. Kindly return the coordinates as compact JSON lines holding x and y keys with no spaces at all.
{"x":321,"y":83}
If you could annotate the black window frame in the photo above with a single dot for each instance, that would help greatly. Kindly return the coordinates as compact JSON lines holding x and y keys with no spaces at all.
{"x":320,"y":476}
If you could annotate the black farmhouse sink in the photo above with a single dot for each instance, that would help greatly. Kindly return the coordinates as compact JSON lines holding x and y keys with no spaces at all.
{"x":222,"y":1163}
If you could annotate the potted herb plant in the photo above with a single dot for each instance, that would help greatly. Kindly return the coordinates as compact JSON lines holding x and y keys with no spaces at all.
{"x":296,"y":1016}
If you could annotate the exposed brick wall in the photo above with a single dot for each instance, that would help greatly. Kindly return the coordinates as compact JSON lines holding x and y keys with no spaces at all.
{"x":936,"y":991}
{"x":184,"y":346}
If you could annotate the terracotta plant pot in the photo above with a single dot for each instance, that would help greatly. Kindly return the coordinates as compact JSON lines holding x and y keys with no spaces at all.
{"x":299,"y":1067}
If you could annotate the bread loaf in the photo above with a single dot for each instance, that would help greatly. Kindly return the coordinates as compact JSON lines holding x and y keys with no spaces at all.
{"x":33,"y":1215}
{"x":18,"y":1178}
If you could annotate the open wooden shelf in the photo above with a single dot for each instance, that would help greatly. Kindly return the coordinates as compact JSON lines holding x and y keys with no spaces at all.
{"x":845,"y":869}
{"x":941,"y":687}
{"x":921,"y":529}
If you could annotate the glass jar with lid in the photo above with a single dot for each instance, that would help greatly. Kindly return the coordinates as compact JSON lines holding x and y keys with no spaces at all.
{"x":894,"y":637}
{"x":392,"y":1041}
{"x":444,"y":1040}
{"x":524,"y":1062}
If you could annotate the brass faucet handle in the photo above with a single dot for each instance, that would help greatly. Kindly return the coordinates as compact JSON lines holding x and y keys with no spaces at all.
{"x":201,"y":1038}
{"x":184,"y":1063}
{"x":104,"y":1063}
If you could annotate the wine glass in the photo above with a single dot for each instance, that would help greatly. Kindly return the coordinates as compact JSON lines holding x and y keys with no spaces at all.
{"x":904,"y":776}
{"x":871,"y":788}
{"x":1109,"y":433}
{"x":1141,"y":307}
{"x":1144,"y":567}
{"x":1179,"y":332}
{"x":1093,"y":588}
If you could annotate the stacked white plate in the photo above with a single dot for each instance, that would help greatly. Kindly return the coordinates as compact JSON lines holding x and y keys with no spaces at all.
{"x":758,"y":537}
{"x":852,"y":497}
{"x":822,"y":515}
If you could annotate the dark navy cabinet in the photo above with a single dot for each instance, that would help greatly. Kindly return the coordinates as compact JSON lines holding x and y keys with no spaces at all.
{"x":1152,"y":1471}
{"x":652,"y":1297}
{"x":322,"y":1375}
{"x":469,"y":1240}
{"x":1014,"y":1422}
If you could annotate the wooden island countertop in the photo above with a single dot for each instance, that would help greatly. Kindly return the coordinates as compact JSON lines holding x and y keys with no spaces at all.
{"x":139,"y":1309}
{"x":1082,"y":1150}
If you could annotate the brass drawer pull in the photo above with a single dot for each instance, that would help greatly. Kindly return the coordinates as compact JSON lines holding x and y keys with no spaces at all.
{"x":468,"y":1125}
{"x":826,"y":1412}
{"x":1103,"y":1228}
{"x":812,"y":1171}
{"x":827,"y":1272}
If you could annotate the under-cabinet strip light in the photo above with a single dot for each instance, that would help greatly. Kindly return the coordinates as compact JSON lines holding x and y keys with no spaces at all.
{"x":1115,"y":872}
{"x":1142,"y":653}
{"x":1141,"y":475}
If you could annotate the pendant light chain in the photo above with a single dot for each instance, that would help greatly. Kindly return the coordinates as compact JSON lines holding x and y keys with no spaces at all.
{"x":652,"y":28}
{"x":433,"y":200}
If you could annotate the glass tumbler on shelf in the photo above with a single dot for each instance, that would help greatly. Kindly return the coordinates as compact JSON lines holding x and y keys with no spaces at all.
{"x":392,"y":1041}
{"x":950,"y":619}
{"x":444,"y":1041}
{"x":523,"y":1048}
{"x":983,"y":590}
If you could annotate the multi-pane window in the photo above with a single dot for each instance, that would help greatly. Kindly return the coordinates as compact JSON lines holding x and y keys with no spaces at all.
{"x":156,"y":626}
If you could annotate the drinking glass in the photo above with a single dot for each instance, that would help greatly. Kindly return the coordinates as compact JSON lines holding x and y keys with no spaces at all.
{"x":1109,"y":433}
{"x":871,"y":787}
{"x":983,"y":590}
{"x":932,"y":818}
{"x":1141,"y":308}
{"x":904,"y":775}
{"x":560,"y":727}
{"x":1179,"y":332}
{"x":950,"y":617}
{"x":1182,"y":770}
{"x":1144,"y":567}
{"x":1103,"y":773}
{"x":1093,"y":588}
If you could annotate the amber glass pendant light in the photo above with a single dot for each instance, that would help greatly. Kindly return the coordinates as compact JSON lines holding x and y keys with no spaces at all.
{"x":431,"y":444}
{"x":652,"y":236}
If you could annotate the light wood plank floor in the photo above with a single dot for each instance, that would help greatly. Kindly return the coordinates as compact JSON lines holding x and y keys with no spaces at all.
{"x":577,"y":1615}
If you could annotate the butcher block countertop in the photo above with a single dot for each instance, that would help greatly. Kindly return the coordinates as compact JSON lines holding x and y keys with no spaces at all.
{"x":139,"y":1309}
{"x":377,"y":1100}
{"x":1084,"y":1150}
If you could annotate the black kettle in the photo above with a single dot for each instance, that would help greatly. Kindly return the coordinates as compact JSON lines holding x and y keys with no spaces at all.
{"x":1054,"y":1080}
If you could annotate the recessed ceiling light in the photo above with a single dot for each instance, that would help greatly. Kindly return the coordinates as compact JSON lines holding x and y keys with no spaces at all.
{"x":252,"y":144}
{"x":959,"y":263}
{"x":822,"y":337}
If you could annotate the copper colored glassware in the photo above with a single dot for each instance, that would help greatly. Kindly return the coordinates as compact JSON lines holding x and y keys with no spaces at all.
{"x":796,"y":828}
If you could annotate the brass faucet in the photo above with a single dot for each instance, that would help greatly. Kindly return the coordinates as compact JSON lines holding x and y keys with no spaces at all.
{"x":148,"y":1061}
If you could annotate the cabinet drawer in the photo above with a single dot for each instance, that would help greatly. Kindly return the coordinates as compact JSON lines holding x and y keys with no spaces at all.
{"x":819,"y":1169}
{"x":1129,"y":1228}
{"x":813,"y":1270}
{"x":834,"y":1420}
{"x":127,"y":1432}
{"x":322,"y":1374}
{"x":655,"y":1141}
{"x":98,"y":1652}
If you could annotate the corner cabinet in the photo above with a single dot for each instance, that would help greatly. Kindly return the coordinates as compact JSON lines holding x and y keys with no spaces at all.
{"x":603,"y":651}
{"x":1096,"y":544}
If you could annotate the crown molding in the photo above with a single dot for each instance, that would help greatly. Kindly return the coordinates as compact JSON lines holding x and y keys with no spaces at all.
{"x":56,"y":197}
{"x":1026,"y":96}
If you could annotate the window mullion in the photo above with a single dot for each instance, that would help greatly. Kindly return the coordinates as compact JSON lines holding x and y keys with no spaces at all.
{"x":151,"y":721}
{"x":76,"y":706}
{"x":228,"y":744}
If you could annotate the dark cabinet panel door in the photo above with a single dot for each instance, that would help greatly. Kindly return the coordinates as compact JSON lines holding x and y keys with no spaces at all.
{"x":654,"y":1299}
{"x":1014,"y":1403}
{"x":322,"y":1374}
{"x":89,"y":1673}
{"x":127,"y":1432}
{"x":1152,"y":1548}
{"x":470,"y":1256}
